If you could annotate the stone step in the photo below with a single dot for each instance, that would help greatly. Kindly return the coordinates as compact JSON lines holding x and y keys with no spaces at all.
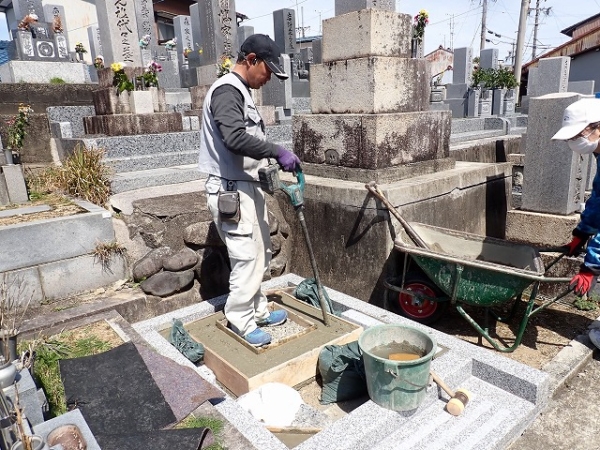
{"x":151,"y":161}
{"x":467,"y":125}
{"x":124,"y":146}
{"x":474,"y":136}
{"x":129,"y":181}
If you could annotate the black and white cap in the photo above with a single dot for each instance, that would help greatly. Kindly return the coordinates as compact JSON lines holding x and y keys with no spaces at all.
{"x":267,"y":50}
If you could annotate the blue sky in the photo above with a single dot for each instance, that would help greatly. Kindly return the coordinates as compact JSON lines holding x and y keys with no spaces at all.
{"x":502,"y":18}
{"x":465,"y":15}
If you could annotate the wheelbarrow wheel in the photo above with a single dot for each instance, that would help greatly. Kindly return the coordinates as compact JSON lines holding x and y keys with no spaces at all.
{"x":418,"y":309}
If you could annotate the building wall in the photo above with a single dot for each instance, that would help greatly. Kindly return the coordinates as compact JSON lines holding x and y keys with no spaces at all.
{"x":585,"y":67}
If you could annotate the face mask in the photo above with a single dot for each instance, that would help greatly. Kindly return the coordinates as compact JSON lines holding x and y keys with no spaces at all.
{"x":582,"y":145}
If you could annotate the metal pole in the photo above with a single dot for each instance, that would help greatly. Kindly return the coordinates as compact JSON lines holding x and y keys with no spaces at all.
{"x":483,"y":25}
{"x":520,"y":42}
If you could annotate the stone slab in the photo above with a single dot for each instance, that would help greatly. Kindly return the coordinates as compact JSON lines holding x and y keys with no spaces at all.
{"x":370,"y":85}
{"x":365,"y":33}
{"x":284,"y":30}
{"x":554,"y":180}
{"x":15,"y":183}
{"x":582,"y":87}
{"x":72,"y":114}
{"x":54,"y":239}
{"x":43,"y":72}
{"x":97,"y":274}
{"x":24,"y":210}
{"x":28,"y":397}
{"x":525,"y":226}
{"x":129,"y":181}
{"x":141,"y":102}
{"x":372,"y":141}
{"x":25,"y":285}
{"x":389,"y":175}
{"x":346,"y":6}
{"x":134,"y":124}
{"x":119,"y":32}
{"x":508,"y":395}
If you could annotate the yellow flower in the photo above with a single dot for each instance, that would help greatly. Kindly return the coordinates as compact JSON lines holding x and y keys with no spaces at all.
{"x":117,"y":67}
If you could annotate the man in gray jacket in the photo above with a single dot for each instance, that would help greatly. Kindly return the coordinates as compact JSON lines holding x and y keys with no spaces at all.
{"x":233,"y":148}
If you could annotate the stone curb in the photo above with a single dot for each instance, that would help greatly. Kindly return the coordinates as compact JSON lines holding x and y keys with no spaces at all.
{"x":570,"y":360}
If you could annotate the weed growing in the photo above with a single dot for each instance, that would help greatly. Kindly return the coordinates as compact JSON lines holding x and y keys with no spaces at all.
{"x":105,"y":251}
{"x":215,"y":425}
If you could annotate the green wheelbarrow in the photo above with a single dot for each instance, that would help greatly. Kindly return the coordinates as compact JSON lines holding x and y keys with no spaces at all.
{"x":466,"y":269}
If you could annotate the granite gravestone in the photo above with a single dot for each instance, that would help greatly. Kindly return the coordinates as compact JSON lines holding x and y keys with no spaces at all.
{"x":284,"y":28}
{"x":218,"y":29}
{"x":95,"y":42}
{"x":457,"y":93}
{"x":554,"y":177}
{"x":552,"y":76}
{"x":277,"y":92}
{"x":185,"y":38}
{"x":346,"y":6}
{"x":488,"y":58}
{"x":119,"y":32}
{"x":244,"y":32}
{"x":24,"y":7}
{"x":55,"y":15}
{"x":144,"y":14}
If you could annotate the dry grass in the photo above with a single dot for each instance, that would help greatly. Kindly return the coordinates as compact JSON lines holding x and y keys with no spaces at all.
{"x":105,"y":251}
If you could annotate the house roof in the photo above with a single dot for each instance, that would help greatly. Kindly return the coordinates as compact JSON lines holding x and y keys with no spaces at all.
{"x":570,"y":30}
{"x":440,"y":49}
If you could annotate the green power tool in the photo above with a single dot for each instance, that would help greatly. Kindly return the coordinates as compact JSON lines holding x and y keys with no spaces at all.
{"x":270,"y":182}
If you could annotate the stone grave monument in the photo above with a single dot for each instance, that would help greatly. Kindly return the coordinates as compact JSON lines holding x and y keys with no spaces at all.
{"x":458,"y":94}
{"x":214,"y":25}
{"x":354,"y":131}
{"x":39,"y":50}
{"x":488,"y":59}
{"x":119,"y":32}
{"x":185,"y":39}
{"x":549,"y":77}
{"x":95,"y":41}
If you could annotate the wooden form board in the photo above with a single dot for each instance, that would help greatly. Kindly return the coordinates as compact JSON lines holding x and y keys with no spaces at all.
{"x":291,"y":363}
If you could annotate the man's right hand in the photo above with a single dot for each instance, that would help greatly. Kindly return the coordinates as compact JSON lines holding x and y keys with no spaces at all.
{"x":576,"y":245}
{"x":288,"y":161}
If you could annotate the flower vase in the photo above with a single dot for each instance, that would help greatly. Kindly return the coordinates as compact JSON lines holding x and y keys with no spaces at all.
{"x":37,"y":443}
{"x":8,"y":373}
{"x":80,"y":56}
{"x":123,"y":103}
{"x":8,"y":155}
{"x":8,"y":340}
{"x":155,"y":101}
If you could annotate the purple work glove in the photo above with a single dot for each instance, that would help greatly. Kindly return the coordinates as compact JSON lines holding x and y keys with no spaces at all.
{"x":287,"y":160}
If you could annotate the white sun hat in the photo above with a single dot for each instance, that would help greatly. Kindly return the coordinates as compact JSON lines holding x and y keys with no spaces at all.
{"x":577,"y":116}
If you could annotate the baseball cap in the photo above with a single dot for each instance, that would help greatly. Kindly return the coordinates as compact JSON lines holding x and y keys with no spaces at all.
{"x":577,"y":116}
{"x":267,"y":50}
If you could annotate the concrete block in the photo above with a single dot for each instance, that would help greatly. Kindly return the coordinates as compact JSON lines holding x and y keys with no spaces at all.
{"x":24,"y":285}
{"x":4,"y":199}
{"x":97,"y":274}
{"x":61,"y":130}
{"x":371,"y":86}
{"x":141,"y":102}
{"x":134,"y":124}
{"x":54,"y":239}
{"x":197,"y":95}
{"x":73,"y":115}
{"x":371,"y":32}
{"x":554,"y":180}
{"x":15,"y":183}
{"x":539,"y":229}
{"x":186,"y":123}
{"x":194,"y":123}
{"x":371,"y":141}
{"x":43,"y":72}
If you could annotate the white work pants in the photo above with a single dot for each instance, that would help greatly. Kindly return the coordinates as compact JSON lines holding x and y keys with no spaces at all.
{"x":249,"y":247}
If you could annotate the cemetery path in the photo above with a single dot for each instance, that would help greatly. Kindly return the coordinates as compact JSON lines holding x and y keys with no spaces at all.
{"x":547,"y":332}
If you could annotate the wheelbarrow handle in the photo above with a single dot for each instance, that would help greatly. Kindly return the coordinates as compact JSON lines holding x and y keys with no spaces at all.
{"x":374,"y":189}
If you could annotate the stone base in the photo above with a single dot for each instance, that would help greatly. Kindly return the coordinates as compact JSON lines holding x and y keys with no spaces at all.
{"x":43,"y":72}
{"x":376,"y":141}
{"x":380,"y":176}
{"x":538,"y":229}
{"x":133,"y":124}
{"x":370,"y":86}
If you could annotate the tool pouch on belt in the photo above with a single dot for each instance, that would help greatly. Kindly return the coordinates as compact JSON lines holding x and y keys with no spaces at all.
{"x":229,"y":204}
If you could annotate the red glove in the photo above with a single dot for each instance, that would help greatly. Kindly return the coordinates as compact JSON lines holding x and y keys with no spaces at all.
{"x":583,"y":281}
{"x":576,"y":245}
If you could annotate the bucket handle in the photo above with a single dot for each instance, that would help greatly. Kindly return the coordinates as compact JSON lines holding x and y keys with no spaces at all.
{"x":392,"y":371}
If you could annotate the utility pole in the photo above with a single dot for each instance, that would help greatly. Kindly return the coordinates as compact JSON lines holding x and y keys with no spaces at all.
{"x":451,"y":32}
{"x":520,"y":42}
{"x":483,"y":24}
{"x":536,"y":24}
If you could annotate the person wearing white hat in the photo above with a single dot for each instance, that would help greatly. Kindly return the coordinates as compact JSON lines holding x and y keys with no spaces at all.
{"x":581,"y":130}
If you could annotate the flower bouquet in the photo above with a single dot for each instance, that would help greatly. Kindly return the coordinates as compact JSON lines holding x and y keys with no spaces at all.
{"x":120,"y":79}
{"x":421,"y":21}
{"x":145,"y":41}
{"x":150,"y":77}
{"x":79,"y":48}
{"x":171,"y":44}
{"x":225,"y":66}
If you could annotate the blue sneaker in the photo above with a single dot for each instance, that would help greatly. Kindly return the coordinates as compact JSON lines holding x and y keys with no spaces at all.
{"x":276,"y":317}
{"x":258,"y":338}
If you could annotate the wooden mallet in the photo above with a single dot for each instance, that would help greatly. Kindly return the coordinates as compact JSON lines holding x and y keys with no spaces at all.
{"x":458,"y":399}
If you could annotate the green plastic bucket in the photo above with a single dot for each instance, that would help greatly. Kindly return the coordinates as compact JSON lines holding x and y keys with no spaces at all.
{"x":397,"y":385}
